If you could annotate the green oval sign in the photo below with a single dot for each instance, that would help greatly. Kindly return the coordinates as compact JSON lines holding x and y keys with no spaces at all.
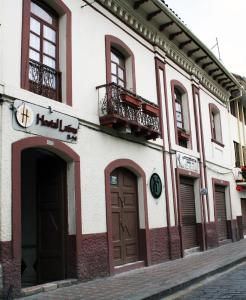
{"x":155,"y":185}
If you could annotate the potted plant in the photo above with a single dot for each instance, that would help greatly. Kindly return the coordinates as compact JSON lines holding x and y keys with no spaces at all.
{"x":150,"y":109}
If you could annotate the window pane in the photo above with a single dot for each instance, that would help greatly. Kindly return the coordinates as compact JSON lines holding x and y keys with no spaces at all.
{"x":35,"y":26}
{"x":120,"y":73}
{"x":114,"y":58}
{"x":180,"y":125}
{"x":178,"y":107}
{"x":34,"y":55}
{"x":179,"y":117}
{"x":113,"y":68}
{"x":49,"y":34}
{"x":49,"y":62}
{"x":49,"y":49}
{"x":114,"y":79}
{"x":40,"y":12}
{"x":121,"y":83}
{"x":34,"y":41}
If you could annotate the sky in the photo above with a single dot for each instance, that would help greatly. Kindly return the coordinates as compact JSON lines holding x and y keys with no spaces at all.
{"x":222,"y":19}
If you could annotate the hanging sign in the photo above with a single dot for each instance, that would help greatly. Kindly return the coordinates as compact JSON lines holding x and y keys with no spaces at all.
{"x":155,"y":185}
{"x":187,"y":162}
{"x":43,"y":121}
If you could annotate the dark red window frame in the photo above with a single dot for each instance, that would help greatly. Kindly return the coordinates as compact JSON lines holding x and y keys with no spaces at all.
{"x":182,"y":137}
{"x":115,"y":43}
{"x":64,"y":10}
{"x":213,"y":111}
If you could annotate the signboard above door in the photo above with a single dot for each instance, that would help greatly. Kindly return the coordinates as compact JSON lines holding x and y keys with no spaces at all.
{"x":43,"y":121}
{"x":187,"y":162}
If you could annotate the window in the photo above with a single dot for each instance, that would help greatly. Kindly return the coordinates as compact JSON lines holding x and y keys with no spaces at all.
{"x":215,"y":122}
{"x":237,"y":154}
{"x":118,"y":74}
{"x":120,"y":63}
{"x":41,"y":69}
{"x":233,"y":108}
{"x":181,"y":114}
{"x":244,"y":114}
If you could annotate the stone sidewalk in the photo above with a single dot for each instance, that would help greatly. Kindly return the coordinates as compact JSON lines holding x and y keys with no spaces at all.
{"x":156,"y":281}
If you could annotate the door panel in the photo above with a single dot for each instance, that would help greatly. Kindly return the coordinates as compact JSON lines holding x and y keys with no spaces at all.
{"x":188,"y":213}
{"x":51,"y":180}
{"x":125,"y":217}
{"x":221,"y":212}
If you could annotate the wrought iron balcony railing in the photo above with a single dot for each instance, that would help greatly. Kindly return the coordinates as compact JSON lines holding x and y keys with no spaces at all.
{"x":44,"y":80}
{"x":122,"y":109}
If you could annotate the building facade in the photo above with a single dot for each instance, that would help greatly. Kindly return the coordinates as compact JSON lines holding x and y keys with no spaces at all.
{"x":117,"y":141}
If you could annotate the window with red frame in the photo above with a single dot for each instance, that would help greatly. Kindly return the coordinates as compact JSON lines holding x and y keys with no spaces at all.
{"x":213,"y":125}
{"x":118,"y":72}
{"x":44,"y":78}
{"x":179,"y":109}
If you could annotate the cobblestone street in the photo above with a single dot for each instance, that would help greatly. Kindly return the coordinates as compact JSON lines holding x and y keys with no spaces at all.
{"x":230,"y":285}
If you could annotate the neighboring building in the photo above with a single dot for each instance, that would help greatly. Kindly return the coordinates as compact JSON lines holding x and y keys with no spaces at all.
{"x":117,"y":147}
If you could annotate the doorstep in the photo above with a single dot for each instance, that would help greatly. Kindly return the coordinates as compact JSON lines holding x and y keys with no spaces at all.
{"x":50,"y":286}
{"x":129,"y":267}
{"x":190,"y":251}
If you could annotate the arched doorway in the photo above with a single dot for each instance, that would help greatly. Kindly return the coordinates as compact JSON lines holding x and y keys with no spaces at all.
{"x":127,"y":216}
{"x":125,"y":220}
{"x":55,"y":155}
{"x":43,"y":217}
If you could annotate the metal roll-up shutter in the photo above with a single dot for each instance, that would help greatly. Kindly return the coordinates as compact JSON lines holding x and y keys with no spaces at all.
{"x":243,"y":205}
{"x":188,"y":213}
{"x":221,"y":212}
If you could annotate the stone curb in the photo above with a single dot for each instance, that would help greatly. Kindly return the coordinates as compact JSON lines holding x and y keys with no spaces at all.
{"x":176,"y":288}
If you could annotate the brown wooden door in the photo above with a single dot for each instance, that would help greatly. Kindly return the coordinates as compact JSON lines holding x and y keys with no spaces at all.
{"x":221,"y":212}
{"x":51,"y":180}
{"x":125,"y":225}
{"x":188,"y":213}
{"x":243,"y":206}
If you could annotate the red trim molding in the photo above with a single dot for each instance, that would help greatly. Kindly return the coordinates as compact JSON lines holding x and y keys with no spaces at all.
{"x":67,"y":154}
{"x":132,"y":166}
{"x":63,"y":10}
{"x":175,"y":83}
{"x":110,"y":41}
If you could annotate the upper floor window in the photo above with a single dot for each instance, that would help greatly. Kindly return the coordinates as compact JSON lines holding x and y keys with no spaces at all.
{"x":41,"y":66}
{"x":44,"y":76}
{"x":118,"y":71}
{"x":233,"y":108}
{"x":237,"y":154}
{"x":120,"y":64}
{"x":215,"y":122}
{"x":181,"y":114}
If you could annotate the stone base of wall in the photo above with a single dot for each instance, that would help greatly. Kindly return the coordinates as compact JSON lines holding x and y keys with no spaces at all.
{"x":233,"y":230}
{"x":175,"y":246}
{"x":93,"y":260}
{"x":159,"y":245}
{"x":211,"y":235}
{"x":11,"y":270}
{"x":240,"y":226}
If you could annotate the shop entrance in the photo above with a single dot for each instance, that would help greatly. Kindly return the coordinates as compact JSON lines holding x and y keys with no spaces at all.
{"x":125,"y":223}
{"x":221,"y":212}
{"x":243,"y":206}
{"x":43,"y":217}
{"x":188,"y":213}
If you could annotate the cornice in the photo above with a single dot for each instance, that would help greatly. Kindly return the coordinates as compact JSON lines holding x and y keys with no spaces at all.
{"x":124,"y":12}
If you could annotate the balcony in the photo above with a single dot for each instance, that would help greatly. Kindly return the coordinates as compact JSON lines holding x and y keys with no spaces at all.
{"x":44,"y":80}
{"x":127,"y":112}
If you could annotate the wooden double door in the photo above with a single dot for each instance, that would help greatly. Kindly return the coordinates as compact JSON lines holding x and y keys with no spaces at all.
{"x":51,"y":216}
{"x":125,"y":221}
{"x":220,"y":205}
{"x":188,"y":213}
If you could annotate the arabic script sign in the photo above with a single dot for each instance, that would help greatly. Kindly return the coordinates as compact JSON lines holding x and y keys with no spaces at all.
{"x":39,"y":120}
{"x":187,"y":162}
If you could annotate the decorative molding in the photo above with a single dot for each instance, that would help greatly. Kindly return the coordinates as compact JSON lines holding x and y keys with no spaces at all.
{"x":126,"y":14}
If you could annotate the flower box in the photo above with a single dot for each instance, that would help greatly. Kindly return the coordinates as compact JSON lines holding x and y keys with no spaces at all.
{"x":131,"y":100}
{"x":183,"y":135}
{"x":150,"y":109}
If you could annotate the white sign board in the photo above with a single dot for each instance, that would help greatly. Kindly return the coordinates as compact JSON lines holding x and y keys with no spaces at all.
{"x":42,"y":121}
{"x":187,"y":162}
